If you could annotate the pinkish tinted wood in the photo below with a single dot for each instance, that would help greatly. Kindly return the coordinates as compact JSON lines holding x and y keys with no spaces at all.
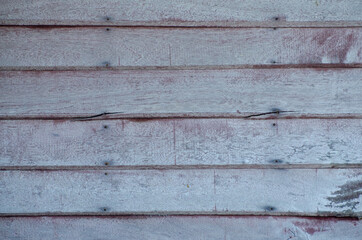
{"x":180,"y":228}
{"x":180,"y":142}
{"x":142,"y":47}
{"x":183,"y":13}
{"x":221,"y":92}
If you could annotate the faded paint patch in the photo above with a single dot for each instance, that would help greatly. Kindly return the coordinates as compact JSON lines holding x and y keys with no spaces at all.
{"x":347,"y":196}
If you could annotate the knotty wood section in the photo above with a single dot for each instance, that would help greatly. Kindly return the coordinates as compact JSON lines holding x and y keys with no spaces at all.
{"x":207,"y":191}
{"x":180,"y":228}
{"x":179,"y":142}
{"x":164,"y":47}
{"x":156,"y":93}
{"x":294,"y":13}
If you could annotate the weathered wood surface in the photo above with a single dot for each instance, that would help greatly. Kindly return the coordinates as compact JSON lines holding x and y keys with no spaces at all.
{"x":101,"y":46}
{"x":180,"y":227}
{"x":183,"y":13}
{"x":177,"y":142}
{"x":212,"y":191}
{"x":238,"y":92}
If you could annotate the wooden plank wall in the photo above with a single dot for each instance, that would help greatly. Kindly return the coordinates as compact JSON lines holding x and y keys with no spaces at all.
{"x":186,"y":119}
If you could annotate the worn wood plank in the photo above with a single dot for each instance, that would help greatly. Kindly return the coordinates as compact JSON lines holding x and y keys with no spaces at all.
{"x":180,"y":142}
{"x":183,"y":13}
{"x":101,"y":46}
{"x":241,"y":191}
{"x":239,"y":92}
{"x":180,"y":227}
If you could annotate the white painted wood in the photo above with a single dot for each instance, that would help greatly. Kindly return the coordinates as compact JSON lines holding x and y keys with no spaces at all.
{"x":297,"y":191}
{"x":176,"y":92}
{"x":181,"y":142}
{"x":183,"y":12}
{"x":87,"y":47}
{"x":180,"y":228}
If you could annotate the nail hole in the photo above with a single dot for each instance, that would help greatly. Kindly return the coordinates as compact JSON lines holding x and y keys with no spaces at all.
{"x":269,"y":208}
{"x":276,"y":19}
{"x":274,"y":124}
{"x":276,"y":161}
{"x":107,"y":65}
{"x":273,"y":62}
{"x":275,"y":28}
{"x":107,"y":29}
{"x":104,"y":209}
{"x":106,"y":163}
{"x":105,"y":173}
{"x":107,"y":18}
{"x":275,"y":110}
{"x":105,"y":126}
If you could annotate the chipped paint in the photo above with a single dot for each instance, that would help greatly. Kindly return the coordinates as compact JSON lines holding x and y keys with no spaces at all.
{"x":347,"y":196}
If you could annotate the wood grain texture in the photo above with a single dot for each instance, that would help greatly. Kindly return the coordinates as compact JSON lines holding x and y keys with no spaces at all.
{"x":212,"y":191}
{"x":240,"y":92}
{"x":179,"y":142}
{"x":180,"y":228}
{"x":183,"y":13}
{"x":101,"y":46}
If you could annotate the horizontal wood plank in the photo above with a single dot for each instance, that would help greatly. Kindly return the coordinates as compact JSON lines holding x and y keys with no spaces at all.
{"x":230,"y":191}
{"x":180,"y":142}
{"x":180,"y":228}
{"x":112,"y":47}
{"x":183,"y":13}
{"x":239,"y":92}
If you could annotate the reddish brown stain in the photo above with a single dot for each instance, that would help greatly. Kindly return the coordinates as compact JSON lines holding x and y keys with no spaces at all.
{"x":59,"y":121}
{"x":174,"y":140}
{"x":324,"y":36}
{"x":313,"y":226}
{"x":141,"y":120}
{"x":220,"y":128}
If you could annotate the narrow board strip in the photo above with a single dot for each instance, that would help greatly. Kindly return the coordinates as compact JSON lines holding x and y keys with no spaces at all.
{"x":295,"y":13}
{"x":180,"y":228}
{"x":235,"y":92}
{"x":300,"y":191}
{"x":110,"y":46}
{"x":181,"y":142}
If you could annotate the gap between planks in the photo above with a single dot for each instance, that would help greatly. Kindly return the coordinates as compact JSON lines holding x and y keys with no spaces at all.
{"x":221,"y":24}
{"x":193,"y":67}
{"x":182,"y":167}
{"x":355,"y":216}
{"x":142,"y":117}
